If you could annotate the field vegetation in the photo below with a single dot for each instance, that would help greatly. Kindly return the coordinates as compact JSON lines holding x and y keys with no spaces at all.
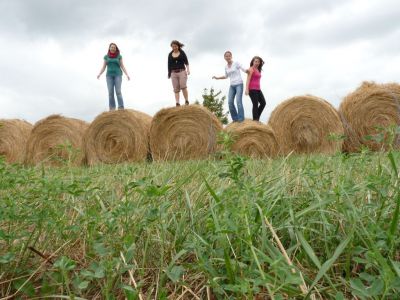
{"x":317,"y":227}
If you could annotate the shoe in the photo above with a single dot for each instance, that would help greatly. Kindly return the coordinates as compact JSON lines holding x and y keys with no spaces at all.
{"x":186,"y":102}
{"x":178,"y":104}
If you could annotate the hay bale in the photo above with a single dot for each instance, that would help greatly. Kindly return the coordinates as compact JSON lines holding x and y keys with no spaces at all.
{"x":14,"y":134}
{"x":367,"y":113}
{"x":253,"y":139}
{"x":304,"y":124}
{"x":55,"y":140}
{"x":116,"y":137}
{"x":185,"y":132}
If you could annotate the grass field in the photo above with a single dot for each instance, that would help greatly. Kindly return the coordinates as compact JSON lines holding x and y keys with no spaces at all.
{"x":296,"y":227}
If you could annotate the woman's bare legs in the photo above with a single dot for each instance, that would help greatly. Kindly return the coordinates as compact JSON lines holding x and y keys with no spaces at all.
{"x":185,"y":95}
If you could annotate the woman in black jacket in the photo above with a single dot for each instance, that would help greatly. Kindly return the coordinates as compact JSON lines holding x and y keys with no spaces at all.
{"x":178,"y":70}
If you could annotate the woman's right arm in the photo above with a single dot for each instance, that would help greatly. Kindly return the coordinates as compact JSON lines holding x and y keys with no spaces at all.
{"x":169,"y":65}
{"x":248,"y":80}
{"x":219,"y":77}
{"x":102,"y":69}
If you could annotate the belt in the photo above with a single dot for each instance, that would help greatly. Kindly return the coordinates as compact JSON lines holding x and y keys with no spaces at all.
{"x":177,"y":70}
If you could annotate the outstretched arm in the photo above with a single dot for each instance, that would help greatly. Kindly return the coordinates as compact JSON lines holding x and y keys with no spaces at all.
{"x":121,"y":63}
{"x":219,"y":77}
{"x":249,"y":74}
{"x":243,"y":69}
{"x":102,"y":69}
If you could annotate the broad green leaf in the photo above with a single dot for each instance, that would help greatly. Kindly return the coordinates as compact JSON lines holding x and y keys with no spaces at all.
{"x":175,"y":273}
{"x":327,"y":265}
{"x":307,"y":247}
{"x":359,"y":288}
{"x":83,"y":285}
{"x":6,"y":258}
{"x":130,"y":292}
{"x":376,"y":287}
{"x":393,"y":163}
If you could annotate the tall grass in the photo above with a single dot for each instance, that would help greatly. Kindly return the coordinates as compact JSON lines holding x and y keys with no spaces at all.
{"x":312,"y":227}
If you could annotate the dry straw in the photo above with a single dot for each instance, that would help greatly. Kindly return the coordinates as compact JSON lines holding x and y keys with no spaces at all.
{"x":185,"y":132}
{"x":13,"y":137}
{"x":307,"y":124}
{"x":116,"y":137}
{"x":368,"y":113}
{"x":56,"y":140}
{"x":253,"y":139}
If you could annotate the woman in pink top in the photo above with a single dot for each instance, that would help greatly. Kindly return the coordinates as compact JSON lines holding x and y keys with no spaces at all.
{"x":253,"y":87}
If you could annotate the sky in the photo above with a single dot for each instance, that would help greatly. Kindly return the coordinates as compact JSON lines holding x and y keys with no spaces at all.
{"x":52,"y":50}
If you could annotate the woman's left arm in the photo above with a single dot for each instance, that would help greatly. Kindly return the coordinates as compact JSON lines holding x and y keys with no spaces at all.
{"x":187,"y":69}
{"x":121,"y":63}
{"x":186,"y":62}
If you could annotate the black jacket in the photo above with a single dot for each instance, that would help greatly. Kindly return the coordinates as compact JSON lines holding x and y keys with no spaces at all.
{"x":177,"y":63}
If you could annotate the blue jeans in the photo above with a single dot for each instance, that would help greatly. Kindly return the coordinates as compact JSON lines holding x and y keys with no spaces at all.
{"x":236,"y":90}
{"x":114,"y":82}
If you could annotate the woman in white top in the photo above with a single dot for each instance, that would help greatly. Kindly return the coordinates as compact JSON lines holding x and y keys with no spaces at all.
{"x":232,"y":70}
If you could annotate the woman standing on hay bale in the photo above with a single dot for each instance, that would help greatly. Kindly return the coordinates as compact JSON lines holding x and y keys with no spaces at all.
{"x":178,"y":71}
{"x":115,"y":66}
{"x":232,"y":70}
{"x":253,"y":87}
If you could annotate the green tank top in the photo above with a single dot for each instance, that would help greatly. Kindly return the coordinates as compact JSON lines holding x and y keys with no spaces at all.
{"x":113,"y":66}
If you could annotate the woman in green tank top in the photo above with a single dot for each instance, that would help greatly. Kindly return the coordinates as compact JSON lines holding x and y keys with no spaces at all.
{"x":115,"y":66}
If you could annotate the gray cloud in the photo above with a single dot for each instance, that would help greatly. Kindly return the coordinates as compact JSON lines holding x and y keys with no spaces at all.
{"x":292,"y":12}
{"x":325,"y":25}
{"x":321,"y":47}
{"x":203,"y":25}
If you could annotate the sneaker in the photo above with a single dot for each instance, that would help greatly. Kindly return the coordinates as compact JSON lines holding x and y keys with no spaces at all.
{"x":178,"y":104}
{"x":186,"y":102}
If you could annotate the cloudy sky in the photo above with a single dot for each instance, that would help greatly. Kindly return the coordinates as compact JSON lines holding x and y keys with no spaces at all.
{"x":52,"y":50}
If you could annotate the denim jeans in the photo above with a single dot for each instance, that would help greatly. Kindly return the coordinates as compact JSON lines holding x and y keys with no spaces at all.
{"x":114,"y":82}
{"x":236,"y":90}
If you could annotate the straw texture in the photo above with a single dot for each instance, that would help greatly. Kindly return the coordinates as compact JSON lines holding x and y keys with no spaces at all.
{"x":307,"y":124}
{"x":253,"y":139}
{"x":117,"y":136}
{"x":55,"y":140}
{"x":14,"y":134}
{"x":368,"y":113}
{"x":185,"y":132}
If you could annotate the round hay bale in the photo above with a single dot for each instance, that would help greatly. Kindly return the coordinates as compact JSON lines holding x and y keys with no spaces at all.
{"x":14,"y":134}
{"x":368,"y":113}
{"x":56,"y":140}
{"x":117,"y":136}
{"x":253,"y":139}
{"x":305,"y":124}
{"x":184,"y":132}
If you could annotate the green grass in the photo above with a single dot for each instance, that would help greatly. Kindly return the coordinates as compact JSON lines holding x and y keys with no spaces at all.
{"x":199,"y":230}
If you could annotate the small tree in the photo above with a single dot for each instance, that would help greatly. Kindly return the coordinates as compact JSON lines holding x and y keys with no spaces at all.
{"x":215,"y":105}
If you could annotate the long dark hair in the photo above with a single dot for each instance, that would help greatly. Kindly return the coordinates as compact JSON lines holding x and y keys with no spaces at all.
{"x":261,"y":62}
{"x":179,"y":44}
{"x":117,"y":52}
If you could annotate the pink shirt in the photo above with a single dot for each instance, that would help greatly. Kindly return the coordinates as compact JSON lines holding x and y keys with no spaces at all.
{"x":254,"y":83}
